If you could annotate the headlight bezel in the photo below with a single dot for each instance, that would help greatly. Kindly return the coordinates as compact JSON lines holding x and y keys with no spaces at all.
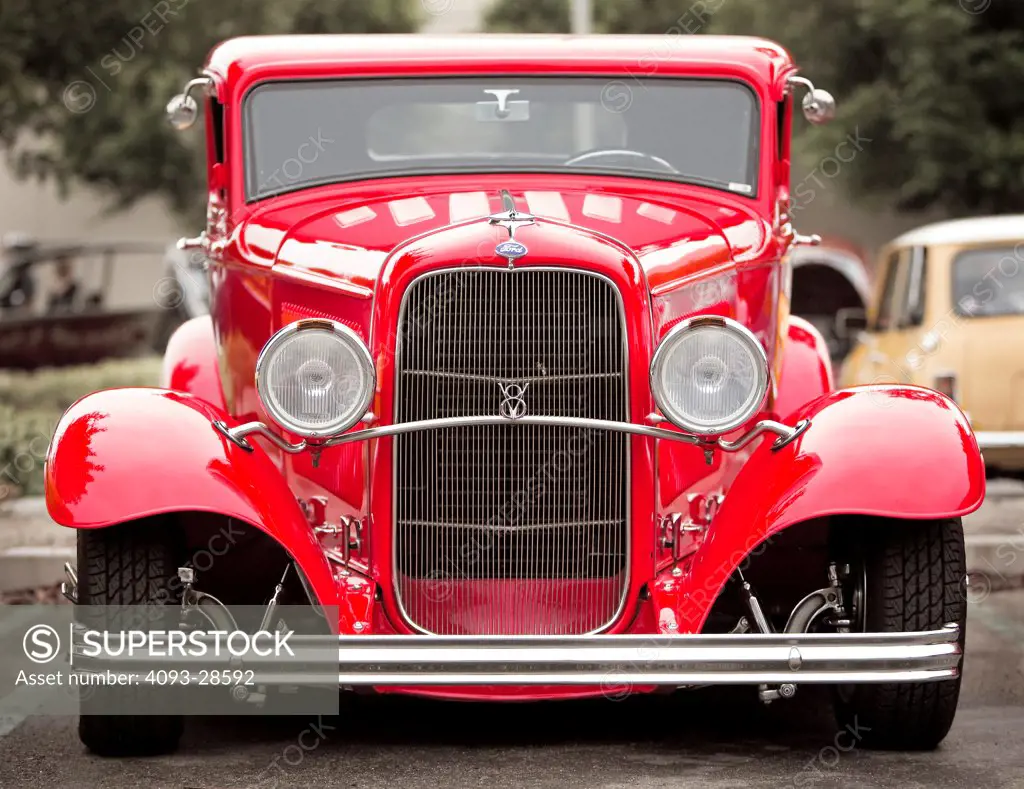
{"x":359,"y":350}
{"x":667,"y":344}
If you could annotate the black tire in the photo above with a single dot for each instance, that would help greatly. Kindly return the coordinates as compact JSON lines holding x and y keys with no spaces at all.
{"x":915,"y":573}
{"x":133,"y":564}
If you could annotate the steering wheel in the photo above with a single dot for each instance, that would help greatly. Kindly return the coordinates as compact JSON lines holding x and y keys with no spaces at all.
{"x":622,"y":153}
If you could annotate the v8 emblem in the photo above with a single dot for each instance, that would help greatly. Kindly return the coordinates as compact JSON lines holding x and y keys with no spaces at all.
{"x":513,"y":400}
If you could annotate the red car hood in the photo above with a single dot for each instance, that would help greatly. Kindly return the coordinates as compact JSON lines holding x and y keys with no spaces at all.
{"x":345,"y":232}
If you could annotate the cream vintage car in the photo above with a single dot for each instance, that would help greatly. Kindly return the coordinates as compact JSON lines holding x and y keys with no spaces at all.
{"x":948,"y":313}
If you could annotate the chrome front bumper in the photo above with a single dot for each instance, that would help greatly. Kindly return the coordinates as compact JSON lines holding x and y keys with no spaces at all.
{"x":651,"y":660}
{"x":927,"y":656}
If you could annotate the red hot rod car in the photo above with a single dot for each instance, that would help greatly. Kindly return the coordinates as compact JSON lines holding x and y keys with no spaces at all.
{"x":500,"y":360}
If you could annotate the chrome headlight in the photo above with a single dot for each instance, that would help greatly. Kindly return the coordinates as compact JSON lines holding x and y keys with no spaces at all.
{"x":709,"y":375}
{"x":315,"y":378}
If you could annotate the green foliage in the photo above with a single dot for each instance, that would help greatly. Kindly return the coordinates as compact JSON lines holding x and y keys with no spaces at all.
{"x":83,"y":85}
{"x":31,"y":404}
{"x":610,"y":16}
{"x":24,"y":436}
{"x":935,"y":87}
{"x":538,"y":16}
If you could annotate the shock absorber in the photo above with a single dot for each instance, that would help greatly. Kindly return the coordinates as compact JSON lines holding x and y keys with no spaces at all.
{"x":766,"y":694}
{"x":760,"y":620}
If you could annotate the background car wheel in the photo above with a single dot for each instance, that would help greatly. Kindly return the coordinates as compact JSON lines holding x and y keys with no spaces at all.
{"x":905,"y":575}
{"x":133,"y":564}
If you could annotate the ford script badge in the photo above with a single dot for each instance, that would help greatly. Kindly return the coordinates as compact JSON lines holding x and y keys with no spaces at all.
{"x":511,"y":250}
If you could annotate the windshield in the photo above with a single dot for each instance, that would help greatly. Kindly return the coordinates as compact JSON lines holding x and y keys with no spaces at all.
{"x":300,"y":134}
{"x":988,"y":282}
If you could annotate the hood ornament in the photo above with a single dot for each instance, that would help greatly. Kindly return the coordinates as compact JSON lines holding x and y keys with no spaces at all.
{"x":510,"y":219}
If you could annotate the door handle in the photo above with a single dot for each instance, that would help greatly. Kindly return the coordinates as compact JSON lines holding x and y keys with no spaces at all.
{"x":197,"y":242}
{"x":813,"y":240}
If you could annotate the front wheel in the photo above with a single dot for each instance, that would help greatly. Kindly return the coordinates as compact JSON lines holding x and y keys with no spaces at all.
{"x":120,"y":568}
{"x":904,"y":576}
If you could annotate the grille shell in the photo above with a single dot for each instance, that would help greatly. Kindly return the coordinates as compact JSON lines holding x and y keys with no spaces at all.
{"x":511,"y":529}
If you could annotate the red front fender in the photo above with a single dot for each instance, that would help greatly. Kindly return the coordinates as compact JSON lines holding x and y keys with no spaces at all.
{"x":190,"y":361}
{"x":892,"y":451}
{"x":126,"y":454}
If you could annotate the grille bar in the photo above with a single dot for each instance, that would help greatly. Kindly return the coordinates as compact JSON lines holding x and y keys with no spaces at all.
{"x":523,"y":379}
{"x":511,"y":529}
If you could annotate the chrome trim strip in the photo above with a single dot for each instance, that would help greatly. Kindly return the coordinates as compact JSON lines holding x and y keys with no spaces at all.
{"x":594,"y":424}
{"x":785,"y":434}
{"x":700,"y":659}
{"x":521,"y":379}
{"x":239,"y":434}
{"x":1000,"y":439}
{"x":518,"y":529}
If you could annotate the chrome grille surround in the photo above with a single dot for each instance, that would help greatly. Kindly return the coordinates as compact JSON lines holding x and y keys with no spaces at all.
{"x":549,"y":565}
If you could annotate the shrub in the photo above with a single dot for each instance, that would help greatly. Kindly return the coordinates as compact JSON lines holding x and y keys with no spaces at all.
{"x":31,"y":404}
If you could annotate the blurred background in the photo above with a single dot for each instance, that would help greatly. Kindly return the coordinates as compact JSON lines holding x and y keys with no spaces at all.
{"x":95,"y":186}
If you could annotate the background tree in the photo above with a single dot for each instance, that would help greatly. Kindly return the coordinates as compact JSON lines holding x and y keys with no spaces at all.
{"x":610,"y":16}
{"x":83,"y":85}
{"x":934,"y":84}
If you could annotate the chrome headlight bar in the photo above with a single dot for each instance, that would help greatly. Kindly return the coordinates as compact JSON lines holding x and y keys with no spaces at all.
{"x":784,"y":433}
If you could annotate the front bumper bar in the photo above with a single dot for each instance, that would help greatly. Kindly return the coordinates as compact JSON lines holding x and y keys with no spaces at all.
{"x":926,"y":656}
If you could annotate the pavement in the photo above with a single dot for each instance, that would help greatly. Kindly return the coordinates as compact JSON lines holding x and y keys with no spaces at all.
{"x":33,"y":548}
{"x":994,"y":536}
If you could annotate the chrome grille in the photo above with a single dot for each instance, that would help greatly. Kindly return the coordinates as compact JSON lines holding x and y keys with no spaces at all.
{"x":511,"y":529}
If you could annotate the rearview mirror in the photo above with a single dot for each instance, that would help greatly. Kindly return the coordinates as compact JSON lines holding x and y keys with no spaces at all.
{"x":819,"y":106}
{"x":502,"y":110}
{"x":182,"y":111}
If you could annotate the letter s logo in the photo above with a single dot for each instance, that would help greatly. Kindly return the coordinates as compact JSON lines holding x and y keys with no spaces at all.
{"x":41,"y":643}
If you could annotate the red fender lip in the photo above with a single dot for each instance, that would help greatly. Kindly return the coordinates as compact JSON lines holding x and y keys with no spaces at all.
{"x":125,"y":454}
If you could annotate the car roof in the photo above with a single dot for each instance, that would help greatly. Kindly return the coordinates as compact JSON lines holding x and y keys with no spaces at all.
{"x":979,"y":230}
{"x":642,"y":56}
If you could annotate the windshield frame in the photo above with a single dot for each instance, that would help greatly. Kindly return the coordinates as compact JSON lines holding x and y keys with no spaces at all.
{"x":755,"y":144}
